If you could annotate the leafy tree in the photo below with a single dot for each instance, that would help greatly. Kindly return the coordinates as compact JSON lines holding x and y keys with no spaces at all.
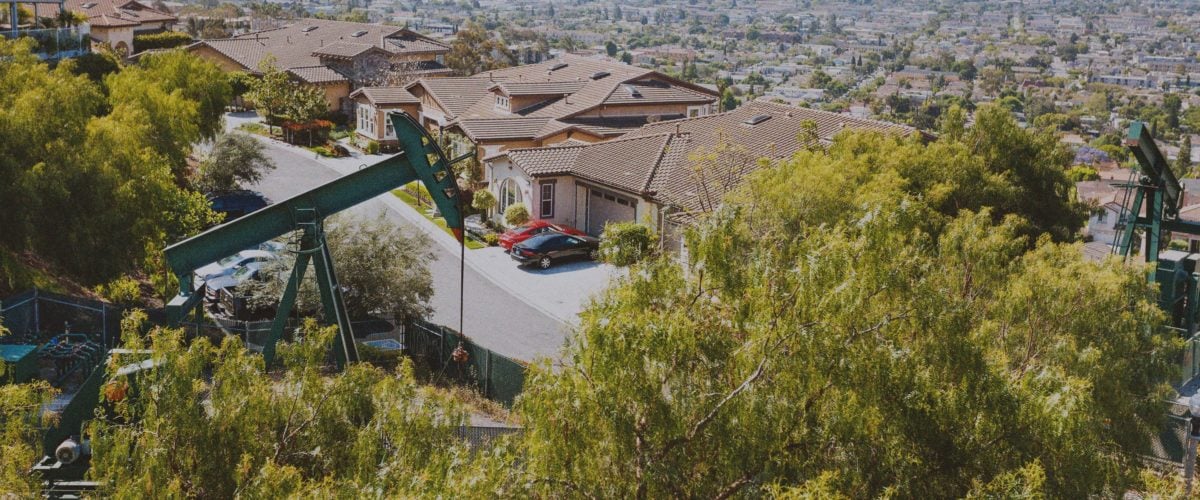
{"x":196,"y":80}
{"x":1183,"y":160}
{"x":382,"y":268}
{"x":208,"y":423}
{"x":826,"y":335}
{"x":20,"y":444}
{"x":475,"y":49}
{"x":611,"y":48}
{"x":728,"y":101}
{"x":236,"y":158}
{"x":1171,"y":105}
{"x":270,"y":93}
{"x":102,"y":171}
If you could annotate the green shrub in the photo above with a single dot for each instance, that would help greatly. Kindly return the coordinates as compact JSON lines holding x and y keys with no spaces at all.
{"x":323,"y":151}
{"x":492,"y":239}
{"x":123,"y":291}
{"x":164,"y":40}
{"x":624,"y":243}
{"x":483,"y":200}
{"x":372,"y":147}
{"x":1082,"y":173}
{"x":516,"y":214}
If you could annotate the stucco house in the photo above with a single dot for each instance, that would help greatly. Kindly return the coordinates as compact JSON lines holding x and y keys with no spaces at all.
{"x":648,"y":175}
{"x":338,"y":56}
{"x":371,"y":106}
{"x":567,"y":98}
{"x":116,"y":22}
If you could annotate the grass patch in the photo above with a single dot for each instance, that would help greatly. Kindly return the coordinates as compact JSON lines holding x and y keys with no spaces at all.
{"x":420,"y":208}
{"x":255,"y":128}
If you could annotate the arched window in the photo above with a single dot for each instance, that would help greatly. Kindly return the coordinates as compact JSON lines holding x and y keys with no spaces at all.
{"x":510,"y":193}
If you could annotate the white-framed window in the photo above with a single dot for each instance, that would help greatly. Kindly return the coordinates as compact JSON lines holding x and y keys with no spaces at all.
{"x":510,"y":193}
{"x":389,"y":132}
{"x":694,"y":111}
{"x":547,"y":199}
{"x":501,"y":102}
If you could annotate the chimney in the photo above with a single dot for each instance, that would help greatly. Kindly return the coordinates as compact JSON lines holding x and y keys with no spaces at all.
{"x":676,"y":128}
{"x":490,"y":79}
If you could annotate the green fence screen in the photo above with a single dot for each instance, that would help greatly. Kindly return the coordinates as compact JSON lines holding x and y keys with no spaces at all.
{"x":498,"y":377}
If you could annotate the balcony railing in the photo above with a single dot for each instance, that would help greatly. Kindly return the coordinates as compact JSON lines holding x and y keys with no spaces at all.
{"x":54,"y":43}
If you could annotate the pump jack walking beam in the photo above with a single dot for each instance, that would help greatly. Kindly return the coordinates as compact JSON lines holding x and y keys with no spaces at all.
{"x":421,"y":159}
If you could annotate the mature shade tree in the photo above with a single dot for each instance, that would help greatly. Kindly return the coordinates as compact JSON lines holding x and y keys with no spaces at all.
{"x":20,"y":443}
{"x":382,"y":268}
{"x":1183,"y":160}
{"x":832,"y":334}
{"x":102,"y":171}
{"x":235,"y":159}
{"x":270,"y":93}
{"x":475,"y":49}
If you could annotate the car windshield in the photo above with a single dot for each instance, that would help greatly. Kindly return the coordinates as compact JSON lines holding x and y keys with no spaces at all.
{"x":241,"y":272}
{"x":537,"y":242}
{"x":524,"y":228}
{"x":228,"y":260}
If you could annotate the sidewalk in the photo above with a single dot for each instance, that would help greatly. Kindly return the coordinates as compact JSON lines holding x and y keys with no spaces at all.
{"x":560,"y":292}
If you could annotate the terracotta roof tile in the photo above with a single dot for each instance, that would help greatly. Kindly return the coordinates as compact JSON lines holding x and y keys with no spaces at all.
{"x":655,"y":161}
{"x":386,"y":95}
{"x":303,"y":43}
{"x":318,"y":74}
{"x":572,"y":85}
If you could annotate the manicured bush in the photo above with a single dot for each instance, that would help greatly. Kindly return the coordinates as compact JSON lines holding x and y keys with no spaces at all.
{"x":483,"y":200}
{"x":624,"y":243}
{"x":372,"y":147}
{"x":516,"y":214}
{"x":492,"y":239}
{"x":164,"y":40}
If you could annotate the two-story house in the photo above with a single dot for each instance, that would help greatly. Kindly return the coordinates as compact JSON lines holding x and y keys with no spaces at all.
{"x":661,"y":172}
{"x":566,"y":98}
{"x":116,"y":22}
{"x":338,"y":56}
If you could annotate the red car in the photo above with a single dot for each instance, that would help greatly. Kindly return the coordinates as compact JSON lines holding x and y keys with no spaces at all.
{"x":531,"y":229}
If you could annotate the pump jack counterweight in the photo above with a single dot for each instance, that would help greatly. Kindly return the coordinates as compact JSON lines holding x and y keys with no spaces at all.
{"x":421,"y":159}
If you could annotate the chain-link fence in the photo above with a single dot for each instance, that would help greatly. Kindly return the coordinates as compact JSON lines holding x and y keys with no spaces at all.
{"x":36,"y":315}
{"x":498,"y":377}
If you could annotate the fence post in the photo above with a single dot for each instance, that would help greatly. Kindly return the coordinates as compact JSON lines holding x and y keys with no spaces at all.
{"x":37,"y":315}
{"x":487,"y":384}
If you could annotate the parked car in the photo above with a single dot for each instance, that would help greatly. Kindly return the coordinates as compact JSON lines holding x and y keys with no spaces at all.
{"x":545,"y":249}
{"x":237,"y":203}
{"x":240,"y":274}
{"x":226,"y":266}
{"x":531,"y":229}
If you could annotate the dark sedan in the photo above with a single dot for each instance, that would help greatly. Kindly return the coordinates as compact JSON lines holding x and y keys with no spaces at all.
{"x":545,"y":249}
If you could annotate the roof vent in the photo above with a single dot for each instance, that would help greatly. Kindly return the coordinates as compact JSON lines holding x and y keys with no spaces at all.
{"x":307,"y":29}
{"x":633,"y":91}
{"x":757,"y":119}
{"x":600,"y":74}
{"x":558,"y":66}
{"x":358,"y":33}
{"x":89,"y":5}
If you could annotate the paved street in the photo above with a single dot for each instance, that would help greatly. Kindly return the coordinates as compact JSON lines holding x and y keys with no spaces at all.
{"x":493,"y":318}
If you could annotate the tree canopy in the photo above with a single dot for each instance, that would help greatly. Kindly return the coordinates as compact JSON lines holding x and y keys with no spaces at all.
{"x":235,"y":159}
{"x":101,"y":164}
{"x":476,"y":49}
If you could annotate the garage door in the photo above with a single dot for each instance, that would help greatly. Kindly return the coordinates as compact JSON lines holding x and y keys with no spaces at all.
{"x":604,"y":206}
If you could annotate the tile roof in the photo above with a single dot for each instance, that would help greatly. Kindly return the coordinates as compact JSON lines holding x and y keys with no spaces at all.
{"x":318,"y":74}
{"x":344,"y":49}
{"x":655,"y":161}
{"x":539,"y":88}
{"x":572,"y":84}
{"x":113,"y":13}
{"x":303,"y":43}
{"x":386,"y":95}
{"x":483,"y":129}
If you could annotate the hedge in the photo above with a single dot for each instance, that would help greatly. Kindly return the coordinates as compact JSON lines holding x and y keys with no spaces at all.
{"x":163,"y":40}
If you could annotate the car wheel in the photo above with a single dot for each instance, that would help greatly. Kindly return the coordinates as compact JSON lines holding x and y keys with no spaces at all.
{"x":594,"y":254}
{"x":544,"y":263}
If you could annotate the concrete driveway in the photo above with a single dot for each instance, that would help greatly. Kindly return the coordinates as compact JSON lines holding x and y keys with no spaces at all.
{"x":521,"y":313}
